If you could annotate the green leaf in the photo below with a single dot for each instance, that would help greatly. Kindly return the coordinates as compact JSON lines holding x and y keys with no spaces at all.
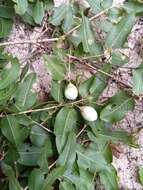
{"x":5,"y":27}
{"x":100,"y":82}
{"x":87,"y":37}
{"x":38,"y":136}
{"x":55,"y":174}
{"x":85,"y":87}
{"x":20,"y":6}
{"x":6,"y":12}
{"x":115,"y":136}
{"x":23,"y":120}
{"x":106,"y":25}
{"x":95,"y":85}
{"x":98,"y":5}
{"x":86,"y":181}
{"x":83,"y":181}
{"x":59,"y":14}
{"x":56,"y":67}
{"x":115,"y":15}
{"x":138,"y":80}
{"x":67,"y":156}
{"x":109,"y":179}
{"x":64,"y":185}
{"x":106,"y":4}
{"x":95,"y":5}
{"x":49,"y":4}
{"x":63,"y":13}
{"x":75,"y":38}
{"x":6,"y":93}
{"x":3,"y":58}
{"x":65,"y":123}
{"x":28,"y":15}
{"x":92,"y":160}
{"x":68,"y":18}
{"x":46,"y":152}
{"x":35,"y":180}
{"x":133,"y":7}
{"x":101,"y":145}
{"x":13,"y":182}
{"x":38,"y":12}
{"x":57,"y":90}
{"x":29,"y":155}
{"x":15,"y":133}
{"x":119,"y":59}
{"x":117,"y":108}
{"x":119,"y":32}
{"x":27,"y":18}
{"x":24,"y":97}
{"x":9,"y":74}
{"x":24,"y":71}
{"x":11,"y":156}
{"x":140,"y":174}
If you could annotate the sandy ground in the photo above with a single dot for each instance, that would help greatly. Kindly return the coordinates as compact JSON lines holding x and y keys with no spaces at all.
{"x":131,"y":159}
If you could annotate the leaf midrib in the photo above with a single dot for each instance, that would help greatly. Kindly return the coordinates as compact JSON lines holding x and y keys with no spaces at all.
{"x":27,"y":91}
{"x":65,"y":125}
{"x":9,"y":73}
{"x":120,"y":33}
{"x":139,"y":86}
{"x":11,"y":130}
{"x":88,"y":158}
{"x":118,"y":107}
{"x":85,"y":33}
{"x":25,"y":153}
{"x":57,"y":70}
{"x":67,"y":152}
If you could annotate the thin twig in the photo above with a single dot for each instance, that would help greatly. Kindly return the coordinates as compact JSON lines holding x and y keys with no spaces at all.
{"x":40,"y":125}
{"x":81,"y":131}
{"x":52,"y":165}
{"x":46,"y":129}
{"x":25,"y":188}
{"x":93,"y":56}
{"x":29,"y":41}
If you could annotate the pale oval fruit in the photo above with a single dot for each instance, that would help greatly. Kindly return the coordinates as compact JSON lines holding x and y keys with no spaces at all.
{"x":71,"y":92}
{"x":89,"y":113}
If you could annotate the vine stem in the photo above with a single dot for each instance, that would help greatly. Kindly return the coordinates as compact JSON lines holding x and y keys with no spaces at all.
{"x":81,"y":131}
{"x":42,"y":126}
{"x":99,"y":70}
{"x":54,"y":39}
{"x":47,"y":108}
{"x":52,"y":165}
{"x":29,"y":41}
{"x":109,"y":75}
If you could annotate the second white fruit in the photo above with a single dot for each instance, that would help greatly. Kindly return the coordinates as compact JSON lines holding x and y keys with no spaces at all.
{"x":89,"y":113}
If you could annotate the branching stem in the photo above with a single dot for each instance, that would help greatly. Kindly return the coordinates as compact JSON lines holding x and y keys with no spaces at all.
{"x":53,"y":39}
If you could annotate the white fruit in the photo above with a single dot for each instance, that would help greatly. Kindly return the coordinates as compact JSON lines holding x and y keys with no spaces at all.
{"x":89,"y":113}
{"x":71,"y":92}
